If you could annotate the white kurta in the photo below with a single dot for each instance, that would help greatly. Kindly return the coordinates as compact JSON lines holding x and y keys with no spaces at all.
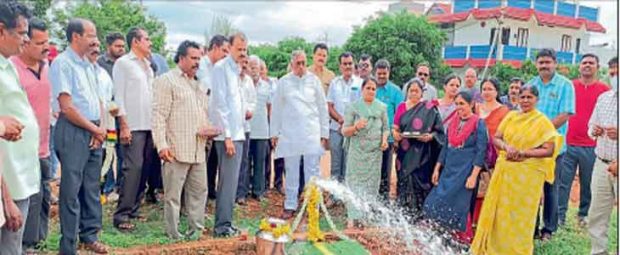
{"x":299,"y":116}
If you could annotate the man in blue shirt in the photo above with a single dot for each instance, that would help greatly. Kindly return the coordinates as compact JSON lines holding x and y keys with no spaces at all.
{"x":557,"y":102}
{"x":78,"y":137}
{"x":391,"y":96}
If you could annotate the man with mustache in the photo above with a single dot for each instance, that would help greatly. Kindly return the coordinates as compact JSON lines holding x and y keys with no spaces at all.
{"x":115,"y":49}
{"x":365,"y":66}
{"x":78,"y":138}
{"x":603,"y":126}
{"x":133,"y":92}
{"x":423,"y":73}
{"x":19,"y":166}
{"x":613,"y":70}
{"x":299,"y":126}
{"x":180,"y":132}
{"x":249,"y":102}
{"x":227,"y":113}
{"x":580,"y":151}
{"x":512,"y":99}
{"x":343,"y":91}
{"x":318,"y":68}
{"x":471,"y":84}
{"x":218,"y":49}
{"x":32,"y":68}
{"x":557,"y":102}
{"x":389,"y":94}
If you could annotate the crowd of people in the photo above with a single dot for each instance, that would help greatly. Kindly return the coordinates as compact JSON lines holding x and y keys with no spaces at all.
{"x":477,"y":163}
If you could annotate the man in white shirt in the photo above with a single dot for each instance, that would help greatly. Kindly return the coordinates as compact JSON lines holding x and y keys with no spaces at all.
{"x":133,"y":92}
{"x":227,"y":112}
{"x":259,"y":135}
{"x":343,"y":91}
{"x":278,"y":164}
{"x":217,"y":50}
{"x":249,"y":101}
{"x":299,"y":126}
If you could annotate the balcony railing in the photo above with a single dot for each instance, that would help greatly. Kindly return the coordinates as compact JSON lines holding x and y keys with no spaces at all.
{"x":510,"y":53}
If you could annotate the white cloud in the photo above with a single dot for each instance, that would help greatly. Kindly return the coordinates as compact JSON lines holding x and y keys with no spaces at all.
{"x":272,"y":21}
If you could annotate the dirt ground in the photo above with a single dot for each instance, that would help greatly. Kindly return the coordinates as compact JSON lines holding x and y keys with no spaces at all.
{"x":245,"y":245}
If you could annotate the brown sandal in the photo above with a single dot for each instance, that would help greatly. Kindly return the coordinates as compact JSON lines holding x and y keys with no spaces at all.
{"x":96,"y":247}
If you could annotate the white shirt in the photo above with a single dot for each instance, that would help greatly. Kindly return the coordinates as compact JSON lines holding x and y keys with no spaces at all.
{"x":342,"y":93}
{"x":299,"y":116}
{"x":106,"y":87}
{"x":260,"y":121}
{"x":249,"y":99}
{"x":205,"y":68}
{"x":226,"y":109}
{"x":133,"y":90}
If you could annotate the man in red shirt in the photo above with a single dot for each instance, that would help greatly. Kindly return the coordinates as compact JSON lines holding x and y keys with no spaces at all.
{"x":580,"y":152}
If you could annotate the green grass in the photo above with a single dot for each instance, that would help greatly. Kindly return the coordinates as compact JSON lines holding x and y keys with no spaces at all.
{"x":568,"y":240}
{"x":571,"y":239}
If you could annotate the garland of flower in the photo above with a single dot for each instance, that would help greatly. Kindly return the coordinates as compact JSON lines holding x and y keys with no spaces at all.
{"x":314,"y":231}
{"x":277,"y":230}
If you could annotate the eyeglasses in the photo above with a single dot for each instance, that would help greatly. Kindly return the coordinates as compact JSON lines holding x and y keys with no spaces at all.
{"x":300,"y":63}
{"x":364,"y":65}
{"x":422,"y":74}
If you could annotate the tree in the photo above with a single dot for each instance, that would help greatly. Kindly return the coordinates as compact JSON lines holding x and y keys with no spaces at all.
{"x":277,"y":57}
{"x":220,"y":25}
{"x":111,"y":16}
{"x":403,"y":39}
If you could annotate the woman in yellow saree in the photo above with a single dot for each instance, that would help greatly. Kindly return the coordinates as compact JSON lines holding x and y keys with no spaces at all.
{"x":527,"y":142}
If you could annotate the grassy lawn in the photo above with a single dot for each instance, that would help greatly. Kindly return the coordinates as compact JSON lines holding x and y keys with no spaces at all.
{"x":569,"y":240}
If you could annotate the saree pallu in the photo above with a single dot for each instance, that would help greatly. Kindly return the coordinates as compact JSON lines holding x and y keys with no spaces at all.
{"x":508,"y":216}
{"x":414,"y":159}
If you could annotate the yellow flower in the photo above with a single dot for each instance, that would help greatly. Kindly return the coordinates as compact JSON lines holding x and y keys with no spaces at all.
{"x":314,"y":231}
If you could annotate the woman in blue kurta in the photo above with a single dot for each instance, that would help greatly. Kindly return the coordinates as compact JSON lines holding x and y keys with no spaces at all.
{"x":457,"y":168}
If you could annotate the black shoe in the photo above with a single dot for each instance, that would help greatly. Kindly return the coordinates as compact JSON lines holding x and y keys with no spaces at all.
{"x":228,"y":233}
{"x":212,"y":195}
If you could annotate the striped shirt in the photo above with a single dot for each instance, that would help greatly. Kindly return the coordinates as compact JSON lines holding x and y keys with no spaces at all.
{"x":179,"y":111}
{"x":605,"y":115}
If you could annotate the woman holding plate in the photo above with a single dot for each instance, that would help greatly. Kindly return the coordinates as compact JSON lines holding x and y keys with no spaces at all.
{"x":417,"y":130}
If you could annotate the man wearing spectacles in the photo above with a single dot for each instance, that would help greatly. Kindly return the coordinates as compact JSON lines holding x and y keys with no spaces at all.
{"x":365,"y":66}
{"x":428,"y":91}
{"x":299,"y":126}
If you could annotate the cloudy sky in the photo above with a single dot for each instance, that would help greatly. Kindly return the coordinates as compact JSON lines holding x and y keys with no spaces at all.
{"x":271,"y":21}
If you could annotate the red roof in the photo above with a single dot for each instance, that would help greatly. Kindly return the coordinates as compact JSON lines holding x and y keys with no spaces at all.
{"x":520,"y":14}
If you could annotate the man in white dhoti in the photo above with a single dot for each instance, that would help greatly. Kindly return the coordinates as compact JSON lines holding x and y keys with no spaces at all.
{"x":299,"y":126}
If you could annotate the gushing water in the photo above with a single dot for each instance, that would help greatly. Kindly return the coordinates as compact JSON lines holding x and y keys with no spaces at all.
{"x":397,"y":225}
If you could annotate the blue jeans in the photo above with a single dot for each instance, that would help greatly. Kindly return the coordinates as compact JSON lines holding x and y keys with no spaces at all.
{"x":582,"y":157}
